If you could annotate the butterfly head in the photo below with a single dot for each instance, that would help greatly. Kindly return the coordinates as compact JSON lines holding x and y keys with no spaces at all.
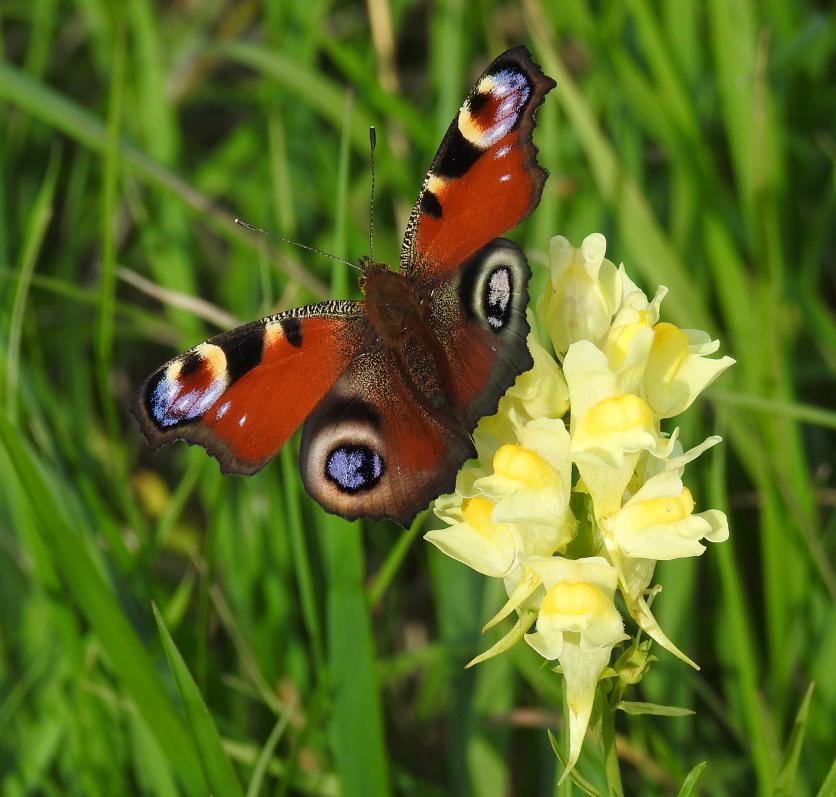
{"x":369,"y":264}
{"x":372,"y":272}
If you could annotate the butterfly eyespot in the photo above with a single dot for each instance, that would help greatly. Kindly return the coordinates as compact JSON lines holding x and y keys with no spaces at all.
{"x":497,"y":297}
{"x":354,"y":468}
{"x":493,"y":287}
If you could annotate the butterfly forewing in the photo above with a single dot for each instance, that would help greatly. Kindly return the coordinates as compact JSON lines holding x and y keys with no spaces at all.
{"x":485,"y":177}
{"x":242,"y":394}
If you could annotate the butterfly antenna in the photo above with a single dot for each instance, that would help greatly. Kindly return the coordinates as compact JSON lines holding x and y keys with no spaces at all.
{"x":372,"y":143}
{"x":248,"y":226}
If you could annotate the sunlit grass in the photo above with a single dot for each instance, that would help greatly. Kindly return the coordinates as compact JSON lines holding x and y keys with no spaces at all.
{"x":329,"y":656}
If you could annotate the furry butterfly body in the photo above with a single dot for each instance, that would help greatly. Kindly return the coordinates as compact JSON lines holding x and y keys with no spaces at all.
{"x":389,"y":388}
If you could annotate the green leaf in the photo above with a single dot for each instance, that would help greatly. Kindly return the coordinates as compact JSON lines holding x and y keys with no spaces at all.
{"x":36,"y":227}
{"x":785,"y":782}
{"x":828,"y":788}
{"x":579,"y":780}
{"x":216,"y":766}
{"x":63,"y":114}
{"x":635,"y":709}
{"x":690,"y":782}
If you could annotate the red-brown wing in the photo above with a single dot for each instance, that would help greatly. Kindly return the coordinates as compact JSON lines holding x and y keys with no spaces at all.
{"x":478,"y":314}
{"x":373,"y":449}
{"x":242,"y":394}
{"x":485,"y":177}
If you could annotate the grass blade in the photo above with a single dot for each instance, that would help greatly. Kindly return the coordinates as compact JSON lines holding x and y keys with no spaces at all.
{"x":70,"y":118}
{"x":785,"y":783}
{"x":36,"y":227}
{"x":217,"y":769}
{"x":690,"y":782}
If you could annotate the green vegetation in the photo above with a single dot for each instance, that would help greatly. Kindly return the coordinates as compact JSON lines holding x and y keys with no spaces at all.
{"x":292,"y":652}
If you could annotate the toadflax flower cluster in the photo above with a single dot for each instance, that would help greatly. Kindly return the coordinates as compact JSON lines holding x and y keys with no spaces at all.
{"x":577,"y":491}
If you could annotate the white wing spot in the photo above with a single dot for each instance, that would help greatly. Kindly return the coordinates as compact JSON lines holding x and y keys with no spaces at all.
{"x":505,"y":178}
{"x":242,"y":420}
{"x":499,"y":295}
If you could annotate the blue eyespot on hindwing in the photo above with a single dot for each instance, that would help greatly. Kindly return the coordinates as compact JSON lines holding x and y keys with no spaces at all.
{"x":354,"y":468}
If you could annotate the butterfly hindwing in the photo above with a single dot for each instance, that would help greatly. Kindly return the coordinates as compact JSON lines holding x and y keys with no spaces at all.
{"x":373,"y":449}
{"x":485,"y":177}
{"x":242,"y":394}
{"x":479,"y":316}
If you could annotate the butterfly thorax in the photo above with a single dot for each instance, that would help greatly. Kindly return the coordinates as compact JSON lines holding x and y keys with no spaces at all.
{"x":393,"y":307}
{"x":396,"y":310}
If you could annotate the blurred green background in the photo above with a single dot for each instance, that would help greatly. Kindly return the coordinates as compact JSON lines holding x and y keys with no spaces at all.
{"x":698,"y":136}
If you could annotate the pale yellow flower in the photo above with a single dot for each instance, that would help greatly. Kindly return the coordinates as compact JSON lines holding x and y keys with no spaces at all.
{"x":636,"y":315}
{"x":583,"y":293}
{"x":474,"y":539}
{"x":658,"y":523}
{"x":578,"y":625}
{"x":678,"y":369}
{"x":531,"y":478}
{"x":609,"y":417}
{"x":519,"y":509}
{"x":611,"y":423}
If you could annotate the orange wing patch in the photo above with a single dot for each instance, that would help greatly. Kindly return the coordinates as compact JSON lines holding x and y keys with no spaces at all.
{"x":242,"y":394}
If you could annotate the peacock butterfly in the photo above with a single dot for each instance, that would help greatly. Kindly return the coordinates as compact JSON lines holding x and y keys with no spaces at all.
{"x":389,"y":388}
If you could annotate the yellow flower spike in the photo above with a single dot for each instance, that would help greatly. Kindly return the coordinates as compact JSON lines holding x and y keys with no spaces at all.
{"x":678,"y":370}
{"x":623,"y":371}
{"x":578,"y":625}
{"x":585,"y":292}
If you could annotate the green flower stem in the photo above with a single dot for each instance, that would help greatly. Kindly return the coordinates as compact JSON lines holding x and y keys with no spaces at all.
{"x":606,"y":731}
